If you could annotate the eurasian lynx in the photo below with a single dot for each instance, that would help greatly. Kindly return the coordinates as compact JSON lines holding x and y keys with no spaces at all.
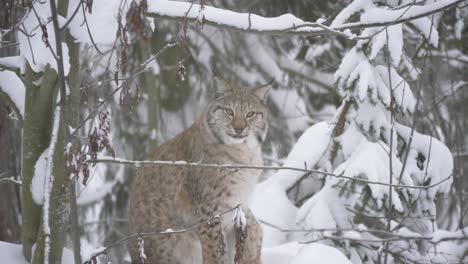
{"x":230,"y":131}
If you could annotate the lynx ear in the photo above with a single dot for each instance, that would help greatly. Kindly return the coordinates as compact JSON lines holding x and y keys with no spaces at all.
{"x":261,"y":92}
{"x":219,"y":87}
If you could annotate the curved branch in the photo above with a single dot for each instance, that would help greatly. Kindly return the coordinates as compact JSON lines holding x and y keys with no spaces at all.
{"x":286,"y":24}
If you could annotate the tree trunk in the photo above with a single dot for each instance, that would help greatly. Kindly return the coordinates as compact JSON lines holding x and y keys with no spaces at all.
{"x":10,"y":229}
{"x":58,"y":208}
{"x":38,"y":112}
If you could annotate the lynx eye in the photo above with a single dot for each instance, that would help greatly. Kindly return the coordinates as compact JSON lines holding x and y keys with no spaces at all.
{"x":229,"y":112}
{"x":250,"y":114}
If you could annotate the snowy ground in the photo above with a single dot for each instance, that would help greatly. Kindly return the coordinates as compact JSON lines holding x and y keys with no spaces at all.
{"x":13,"y":254}
{"x":290,"y":253}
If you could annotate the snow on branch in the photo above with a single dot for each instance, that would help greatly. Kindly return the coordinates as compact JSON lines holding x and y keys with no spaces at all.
{"x":48,"y":182}
{"x":12,"y":180}
{"x":140,"y":163}
{"x":13,"y":89}
{"x":286,"y":23}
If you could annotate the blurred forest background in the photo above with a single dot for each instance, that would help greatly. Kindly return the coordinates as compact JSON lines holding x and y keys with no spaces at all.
{"x":157,"y":104}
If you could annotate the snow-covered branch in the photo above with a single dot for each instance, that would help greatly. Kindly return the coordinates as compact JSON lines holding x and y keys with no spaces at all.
{"x":287,"y":23}
{"x":140,"y":163}
{"x":13,"y":180}
{"x":48,"y":182}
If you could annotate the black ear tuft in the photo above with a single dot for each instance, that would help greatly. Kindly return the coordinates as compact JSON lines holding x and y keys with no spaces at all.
{"x":219,"y":87}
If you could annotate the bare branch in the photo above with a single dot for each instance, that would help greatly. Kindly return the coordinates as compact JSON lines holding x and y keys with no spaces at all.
{"x":72,"y":16}
{"x":89,"y":31}
{"x":141,"y":69}
{"x":390,"y":236}
{"x":11,"y":180}
{"x":167,"y":232}
{"x":141,"y":163}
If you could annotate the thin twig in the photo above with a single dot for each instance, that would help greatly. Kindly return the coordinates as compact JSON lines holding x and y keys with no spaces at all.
{"x":29,"y":43}
{"x":167,"y":232}
{"x":431,"y":239}
{"x":141,"y":163}
{"x":89,"y":31}
{"x":139,"y":71}
{"x":390,"y":236}
{"x":72,"y":16}
{"x":418,"y":100}
{"x":390,"y":154}
{"x":18,"y":182}
{"x":47,"y":40}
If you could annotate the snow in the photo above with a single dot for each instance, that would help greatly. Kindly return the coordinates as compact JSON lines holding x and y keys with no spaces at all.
{"x":373,"y":82}
{"x":296,"y":253}
{"x":239,"y":219}
{"x":102,"y":22}
{"x":368,"y":81}
{"x":371,"y":161}
{"x":154,"y":66}
{"x":348,"y":64}
{"x":351,"y":9}
{"x":13,"y":63}
{"x":327,"y":209}
{"x":37,"y":183}
{"x":48,"y":182}
{"x":282,"y":214}
{"x":324,"y":204}
{"x":373,"y":15}
{"x":371,"y":119}
{"x":98,"y":187}
{"x":459,"y":25}
{"x":294,"y":105}
{"x":13,"y":254}
{"x":309,"y":151}
{"x":253,"y":22}
{"x":363,"y":73}
{"x":13,"y":87}
{"x":41,"y":55}
{"x":438,"y":163}
{"x":318,"y":253}
{"x":391,"y":36}
{"x":263,"y":57}
{"x":401,"y":90}
{"x":224,"y":17}
{"x":429,"y":31}
{"x":380,"y":15}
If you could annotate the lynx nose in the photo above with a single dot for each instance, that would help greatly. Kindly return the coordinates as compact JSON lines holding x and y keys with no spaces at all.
{"x":239,"y":126}
{"x":239,"y":129}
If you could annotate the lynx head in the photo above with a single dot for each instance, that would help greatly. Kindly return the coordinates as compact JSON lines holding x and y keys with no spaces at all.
{"x":236,"y":114}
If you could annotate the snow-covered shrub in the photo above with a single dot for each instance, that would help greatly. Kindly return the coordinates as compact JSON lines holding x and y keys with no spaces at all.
{"x":383,"y":209}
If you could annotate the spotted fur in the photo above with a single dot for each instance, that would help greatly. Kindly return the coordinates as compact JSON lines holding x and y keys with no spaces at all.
{"x":230,"y":131}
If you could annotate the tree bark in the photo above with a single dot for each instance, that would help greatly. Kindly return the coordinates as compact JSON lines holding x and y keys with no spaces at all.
{"x":37,"y":122}
{"x":58,"y":209}
{"x":10,"y":229}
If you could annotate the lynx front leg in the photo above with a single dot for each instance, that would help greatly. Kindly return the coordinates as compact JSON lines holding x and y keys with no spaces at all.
{"x":213,"y":243}
{"x":253,"y":241}
{"x":222,"y":243}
